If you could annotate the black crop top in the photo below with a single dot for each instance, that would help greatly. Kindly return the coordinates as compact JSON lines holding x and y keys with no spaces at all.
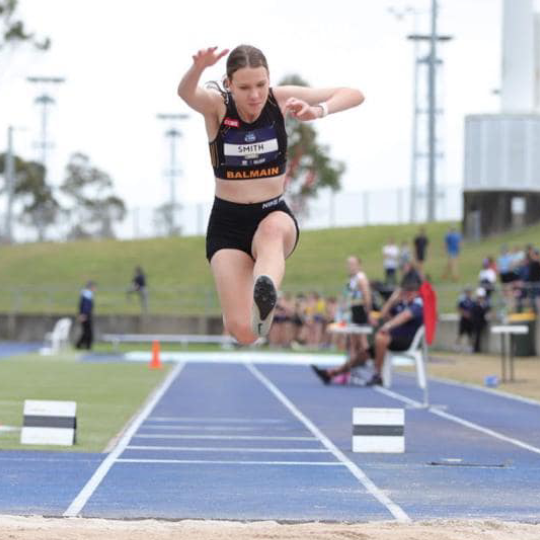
{"x":244,"y":151}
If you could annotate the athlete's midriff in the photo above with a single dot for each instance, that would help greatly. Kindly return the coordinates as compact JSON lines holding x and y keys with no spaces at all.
{"x":250,"y":191}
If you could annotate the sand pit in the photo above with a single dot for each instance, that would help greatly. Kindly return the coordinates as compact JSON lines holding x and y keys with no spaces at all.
{"x":38,"y":528}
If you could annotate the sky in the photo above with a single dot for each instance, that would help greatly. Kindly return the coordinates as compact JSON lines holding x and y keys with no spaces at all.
{"x":123,"y":59}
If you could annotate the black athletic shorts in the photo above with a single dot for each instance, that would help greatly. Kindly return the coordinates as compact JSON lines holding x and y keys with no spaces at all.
{"x":400,"y":343}
{"x":508,"y":277}
{"x":233,"y":225}
{"x":358,"y":315}
{"x":465,"y":327}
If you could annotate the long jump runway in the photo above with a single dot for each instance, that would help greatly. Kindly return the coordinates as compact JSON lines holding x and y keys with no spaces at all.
{"x":257,"y":441}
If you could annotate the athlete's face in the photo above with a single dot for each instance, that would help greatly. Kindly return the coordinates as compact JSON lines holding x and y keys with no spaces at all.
{"x":353,"y":266}
{"x":250,"y":87}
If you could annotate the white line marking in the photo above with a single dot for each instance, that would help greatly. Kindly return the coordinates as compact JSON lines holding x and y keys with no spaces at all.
{"x":224,"y":437}
{"x":82,"y":498}
{"x":239,"y":357}
{"x":206,"y":428}
{"x":235,"y":449}
{"x":358,"y":473}
{"x":202,"y":419}
{"x":223,"y":462}
{"x":463,"y":422}
{"x":498,"y":393}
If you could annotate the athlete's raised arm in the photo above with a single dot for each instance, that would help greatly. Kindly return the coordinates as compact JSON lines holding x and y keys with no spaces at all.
{"x":200,"y":99}
{"x":304,"y":103}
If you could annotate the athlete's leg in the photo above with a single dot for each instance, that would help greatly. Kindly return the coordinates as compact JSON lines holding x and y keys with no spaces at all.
{"x":233,"y":274}
{"x":382,"y":340}
{"x":273,"y":242}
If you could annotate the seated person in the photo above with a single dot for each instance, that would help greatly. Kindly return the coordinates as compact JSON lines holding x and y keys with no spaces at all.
{"x":479,"y":312}
{"x":465,"y":329}
{"x":403,"y":314}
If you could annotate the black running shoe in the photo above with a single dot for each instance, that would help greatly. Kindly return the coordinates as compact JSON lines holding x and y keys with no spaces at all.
{"x":322,"y":374}
{"x":376,"y":380}
{"x":264,"y":302}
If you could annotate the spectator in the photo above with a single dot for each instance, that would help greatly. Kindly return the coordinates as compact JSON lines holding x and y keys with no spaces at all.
{"x":487,"y":277}
{"x":465,"y":328}
{"x":534,"y":279}
{"x":507,"y":275}
{"x":390,"y":261}
{"x":315,"y":319}
{"x":420,"y":247}
{"x":403,"y":314}
{"x":452,"y":242}
{"x":410,"y":270}
{"x":520,"y":266}
{"x":85,"y":317}
{"x":360,"y":305}
{"x":333,"y":314}
{"x":319,"y":319}
{"x":405,"y":257}
{"x":138,"y":285}
{"x":478,"y":318}
{"x":280,"y":334}
{"x":504,"y":263}
{"x":298,"y":322}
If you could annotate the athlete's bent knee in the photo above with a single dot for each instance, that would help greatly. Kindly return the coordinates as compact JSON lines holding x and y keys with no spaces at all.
{"x":273,"y":228}
{"x":241,"y":332}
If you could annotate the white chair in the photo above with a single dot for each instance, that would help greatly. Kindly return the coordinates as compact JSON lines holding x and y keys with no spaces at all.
{"x":58,"y":338}
{"x":415,"y":355}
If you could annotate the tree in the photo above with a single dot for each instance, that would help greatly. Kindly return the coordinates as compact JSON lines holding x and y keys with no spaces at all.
{"x":40,"y":209}
{"x":12,"y":30}
{"x":310,"y":166}
{"x":93,"y":208}
{"x":165,"y":219}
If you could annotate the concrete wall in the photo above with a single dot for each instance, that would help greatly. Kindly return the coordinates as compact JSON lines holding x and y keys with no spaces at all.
{"x":447,"y":330}
{"x":29,"y":327}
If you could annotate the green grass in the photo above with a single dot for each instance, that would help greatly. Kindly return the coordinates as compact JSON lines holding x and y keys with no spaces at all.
{"x":107,"y":395}
{"x":46,"y":277}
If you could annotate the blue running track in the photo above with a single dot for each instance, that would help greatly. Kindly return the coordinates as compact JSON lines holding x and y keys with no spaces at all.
{"x":257,"y":441}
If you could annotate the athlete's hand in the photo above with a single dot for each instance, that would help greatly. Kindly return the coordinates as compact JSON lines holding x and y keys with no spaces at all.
{"x":301,"y":110}
{"x":208,"y":57}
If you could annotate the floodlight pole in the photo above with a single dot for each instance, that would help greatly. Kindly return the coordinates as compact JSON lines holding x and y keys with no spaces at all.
{"x":173,"y":134}
{"x":432,"y":134}
{"x":45,"y":101}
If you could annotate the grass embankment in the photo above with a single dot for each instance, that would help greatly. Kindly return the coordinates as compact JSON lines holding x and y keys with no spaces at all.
{"x":47,"y":277}
{"x":107,"y":395}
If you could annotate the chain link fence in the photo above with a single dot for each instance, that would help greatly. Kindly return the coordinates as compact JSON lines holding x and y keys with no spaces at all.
{"x":341,"y":209}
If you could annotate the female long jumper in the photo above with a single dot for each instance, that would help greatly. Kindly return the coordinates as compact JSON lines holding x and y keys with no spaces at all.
{"x":251,"y":229}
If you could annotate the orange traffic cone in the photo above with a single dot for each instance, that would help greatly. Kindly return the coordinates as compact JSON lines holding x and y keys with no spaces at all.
{"x":156,"y":361}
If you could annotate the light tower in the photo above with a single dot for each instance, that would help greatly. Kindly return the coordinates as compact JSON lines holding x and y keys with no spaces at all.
{"x":173,"y":134}
{"x":427,"y":152}
{"x":45,"y":101}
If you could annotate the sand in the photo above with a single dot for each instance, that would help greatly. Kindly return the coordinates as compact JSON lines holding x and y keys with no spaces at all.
{"x":39,"y":528}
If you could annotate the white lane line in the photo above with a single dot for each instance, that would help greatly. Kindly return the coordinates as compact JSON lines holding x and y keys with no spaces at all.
{"x":461,"y":421}
{"x":82,"y":498}
{"x":199,"y":420}
{"x":224,"y":462}
{"x":205,"y":428}
{"x":358,"y":473}
{"x":224,"y":437}
{"x":232,"y":449}
{"x":493,"y":392}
